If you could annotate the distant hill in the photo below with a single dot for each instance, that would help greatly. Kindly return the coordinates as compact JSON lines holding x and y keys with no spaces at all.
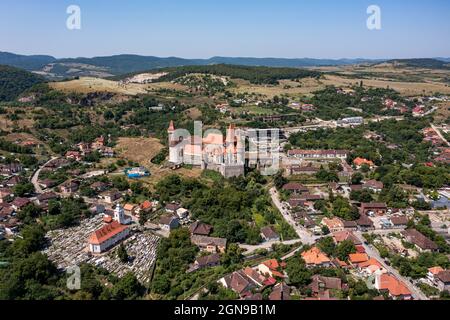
{"x":254,"y":74}
{"x":108,"y":66}
{"x":421,"y":63}
{"x":30,"y":63}
{"x":123,"y":64}
{"x":14,"y":81}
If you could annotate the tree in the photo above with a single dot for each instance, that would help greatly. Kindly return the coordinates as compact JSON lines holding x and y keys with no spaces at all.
{"x":279,"y":180}
{"x":233,"y":255}
{"x":357,"y":178}
{"x":327,"y":246}
{"x":128,"y":288}
{"x":298,"y":273}
{"x":122,"y":253}
{"x":345,"y":248}
{"x":23,"y":189}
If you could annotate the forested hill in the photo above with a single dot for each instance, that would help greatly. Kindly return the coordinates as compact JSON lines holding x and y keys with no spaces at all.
{"x":421,"y":63}
{"x":14,"y":81}
{"x":256,"y":75}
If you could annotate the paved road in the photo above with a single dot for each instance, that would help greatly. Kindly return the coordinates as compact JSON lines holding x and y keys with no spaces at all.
{"x":305,"y":236}
{"x":35,"y":177}
{"x":372,"y":252}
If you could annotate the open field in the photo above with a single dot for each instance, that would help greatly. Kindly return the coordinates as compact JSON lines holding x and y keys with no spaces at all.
{"x":88,"y":85}
{"x":142,"y":150}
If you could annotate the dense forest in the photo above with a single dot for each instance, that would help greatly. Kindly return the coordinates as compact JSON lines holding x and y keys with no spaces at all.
{"x":256,"y":75}
{"x":14,"y":81}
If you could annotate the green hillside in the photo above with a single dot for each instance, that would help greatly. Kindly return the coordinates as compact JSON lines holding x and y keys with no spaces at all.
{"x":14,"y":81}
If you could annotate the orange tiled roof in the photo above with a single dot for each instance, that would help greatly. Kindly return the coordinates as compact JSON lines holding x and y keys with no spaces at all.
{"x":370,"y":262}
{"x":146,"y":205}
{"x":394,"y":286}
{"x":315,"y":256}
{"x":435,"y":270}
{"x":361,"y":161}
{"x":272,"y":264}
{"x":358,"y":257}
{"x":106,"y":232}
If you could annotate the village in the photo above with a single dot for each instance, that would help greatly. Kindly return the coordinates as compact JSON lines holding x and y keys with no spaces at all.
{"x":114,"y":219}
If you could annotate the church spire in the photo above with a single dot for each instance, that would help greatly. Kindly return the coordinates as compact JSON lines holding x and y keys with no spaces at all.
{"x":171,"y":127}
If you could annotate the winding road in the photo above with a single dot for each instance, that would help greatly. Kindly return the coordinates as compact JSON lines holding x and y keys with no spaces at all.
{"x":35,"y":177}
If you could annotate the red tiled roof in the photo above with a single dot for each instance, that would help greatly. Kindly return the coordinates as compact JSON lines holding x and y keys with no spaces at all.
{"x":106,"y":232}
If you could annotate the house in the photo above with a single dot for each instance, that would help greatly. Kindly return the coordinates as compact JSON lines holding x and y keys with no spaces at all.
{"x":20,"y":203}
{"x":333,"y":224}
{"x":364,"y":223}
{"x":47,"y":183}
{"x":295,"y":202}
{"x":44,"y":198}
{"x":270,"y":268}
{"x":373,"y":208}
{"x":341,"y":236}
{"x":295,"y":188}
{"x":443,"y":280}
{"x":70,"y":187}
{"x":314,"y":257}
{"x":318,"y":154}
{"x":107,"y":237}
{"x":11,"y":168}
{"x":399,"y":222}
{"x":350,"y":225}
{"x":396,"y":289}
{"x":212,"y":260}
{"x":258,"y":278}
{"x":373,"y":185}
{"x":372,"y":266}
{"x":269,"y":234}
{"x":169,"y":222}
{"x":74,"y":155}
{"x":359,"y":162}
{"x":303,"y":170}
{"x":146,"y":206}
{"x":182,"y":213}
{"x":5,"y":194}
{"x":6,"y":211}
{"x":356,"y":258}
{"x":433,"y":272}
{"x":419,"y":240}
{"x":111,"y":196}
{"x":129,"y":208}
{"x":321,"y":286}
{"x":99,"y":186}
{"x":280,"y":292}
{"x":210,"y":244}
{"x":14,"y":181}
{"x":200,"y":228}
{"x":11,"y":225}
{"x":172,"y":207}
{"x":239,"y":282}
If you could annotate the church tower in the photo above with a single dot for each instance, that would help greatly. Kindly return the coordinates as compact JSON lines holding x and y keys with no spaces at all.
{"x":119,"y":215}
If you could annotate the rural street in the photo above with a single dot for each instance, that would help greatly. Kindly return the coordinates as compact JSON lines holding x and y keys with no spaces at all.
{"x":305,"y":236}
{"x":440,"y":134}
{"x":371,"y":252}
{"x":35,"y":177}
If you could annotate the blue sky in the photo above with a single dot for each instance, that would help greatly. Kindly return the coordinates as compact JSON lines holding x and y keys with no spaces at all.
{"x":205,"y":28}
